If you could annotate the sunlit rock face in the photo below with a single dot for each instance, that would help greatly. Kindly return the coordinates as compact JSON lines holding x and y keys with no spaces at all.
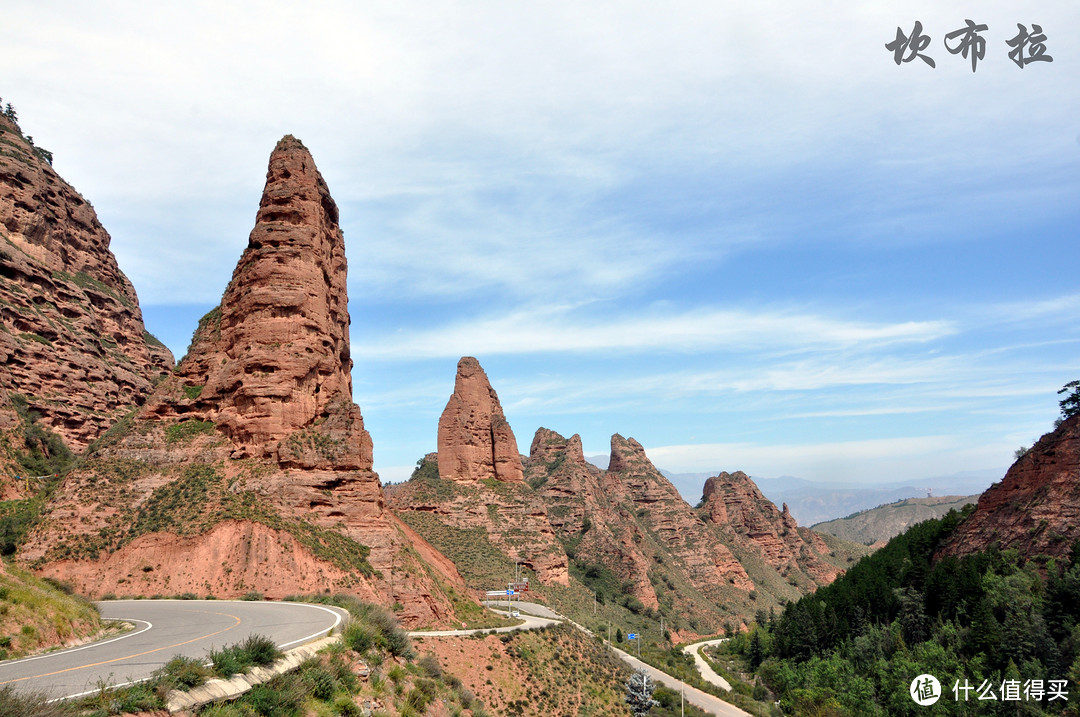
{"x":72,"y":342}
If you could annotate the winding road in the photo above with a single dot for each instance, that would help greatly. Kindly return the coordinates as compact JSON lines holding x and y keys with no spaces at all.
{"x":709,"y":703}
{"x":163,"y":629}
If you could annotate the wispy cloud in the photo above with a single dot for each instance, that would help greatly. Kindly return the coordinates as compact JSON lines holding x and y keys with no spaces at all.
{"x":558,"y":329}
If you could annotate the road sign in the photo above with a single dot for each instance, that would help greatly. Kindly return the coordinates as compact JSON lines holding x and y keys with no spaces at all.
{"x":499,"y":593}
{"x":632,"y":636}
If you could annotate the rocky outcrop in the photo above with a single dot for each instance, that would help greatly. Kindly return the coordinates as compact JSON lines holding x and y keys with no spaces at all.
{"x":475,"y":482}
{"x":734,"y":504}
{"x":593,"y":529}
{"x":72,"y":340}
{"x":475,"y":440}
{"x":1035,"y":508}
{"x":708,"y":562}
{"x":274,"y":357}
{"x":250,"y":468}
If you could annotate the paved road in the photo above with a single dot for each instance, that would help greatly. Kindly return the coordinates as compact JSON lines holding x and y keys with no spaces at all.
{"x":712,"y":705}
{"x":164,"y":628}
{"x":709,"y":703}
{"x":529,"y":623}
{"x":526,"y":608}
{"x":707,"y":673}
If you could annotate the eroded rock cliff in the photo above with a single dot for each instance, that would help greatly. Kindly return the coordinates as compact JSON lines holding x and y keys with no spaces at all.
{"x":475,"y":440}
{"x":72,"y":342}
{"x":1035,"y":508}
{"x":249,"y":468}
{"x":474,"y":485}
{"x":734,"y":504}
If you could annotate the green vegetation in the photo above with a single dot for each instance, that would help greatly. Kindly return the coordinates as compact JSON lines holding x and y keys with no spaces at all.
{"x":192,"y":392}
{"x":43,"y":459}
{"x":16,"y":704}
{"x":193,"y":502}
{"x":187,"y":430}
{"x":36,"y":613}
{"x":254,"y":651}
{"x":1070,"y":405}
{"x":853,"y":647}
{"x":36,"y":337}
{"x":42,"y":452}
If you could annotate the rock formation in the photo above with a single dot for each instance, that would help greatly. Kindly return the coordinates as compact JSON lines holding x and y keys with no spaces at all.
{"x":594,"y":529}
{"x":250,"y":468}
{"x":1035,"y":508}
{"x":480,"y":485}
{"x":475,"y":440}
{"x":708,"y":562}
{"x":733,"y":503}
{"x":72,"y":340}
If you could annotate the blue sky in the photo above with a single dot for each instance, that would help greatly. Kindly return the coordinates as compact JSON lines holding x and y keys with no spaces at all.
{"x":740,"y":234}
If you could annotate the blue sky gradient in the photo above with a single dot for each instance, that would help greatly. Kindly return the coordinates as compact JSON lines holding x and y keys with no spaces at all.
{"x":741,"y":235}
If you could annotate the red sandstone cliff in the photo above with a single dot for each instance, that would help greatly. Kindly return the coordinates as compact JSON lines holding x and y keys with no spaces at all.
{"x":480,"y":483}
{"x":707,"y":561}
{"x":250,"y":468}
{"x":1035,"y":508}
{"x":72,"y":340}
{"x":475,"y":440}
{"x":734,"y":504}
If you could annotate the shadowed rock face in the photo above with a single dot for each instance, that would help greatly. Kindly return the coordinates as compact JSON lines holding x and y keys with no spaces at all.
{"x":1036,"y":506}
{"x":255,"y":440}
{"x":73,"y":341}
{"x":475,"y":440}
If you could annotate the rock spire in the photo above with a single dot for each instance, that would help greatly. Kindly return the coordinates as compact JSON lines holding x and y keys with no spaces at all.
{"x":274,"y":357}
{"x":475,"y":440}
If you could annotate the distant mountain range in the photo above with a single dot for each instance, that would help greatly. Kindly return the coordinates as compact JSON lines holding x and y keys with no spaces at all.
{"x":877,"y":525}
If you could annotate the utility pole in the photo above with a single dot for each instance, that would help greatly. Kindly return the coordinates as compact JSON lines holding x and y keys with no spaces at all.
{"x":682,"y":701}
{"x":661,"y":627}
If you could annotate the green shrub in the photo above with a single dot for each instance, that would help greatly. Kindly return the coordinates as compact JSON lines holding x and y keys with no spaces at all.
{"x":429,"y":666}
{"x":186,"y":430}
{"x":282,"y":696}
{"x":182,"y":673}
{"x":359,"y":636}
{"x":318,"y":680}
{"x":254,"y":650}
{"x":346,"y":707}
{"x":14,"y":704}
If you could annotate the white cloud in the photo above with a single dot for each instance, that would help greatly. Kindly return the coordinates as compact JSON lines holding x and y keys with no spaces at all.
{"x":874,"y":460}
{"x":555,"y":329}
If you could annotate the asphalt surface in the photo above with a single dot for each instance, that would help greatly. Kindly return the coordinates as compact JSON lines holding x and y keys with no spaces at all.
{"x":707,"y":673}
{"x":694,"y":696}
{"x":163,"y":629}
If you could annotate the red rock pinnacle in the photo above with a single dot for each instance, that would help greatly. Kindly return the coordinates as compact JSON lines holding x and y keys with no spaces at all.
{"x":475,"y":439}
{"x":275,"y":357}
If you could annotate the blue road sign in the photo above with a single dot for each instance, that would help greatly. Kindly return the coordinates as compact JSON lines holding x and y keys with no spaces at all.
{"x":632,"y":636}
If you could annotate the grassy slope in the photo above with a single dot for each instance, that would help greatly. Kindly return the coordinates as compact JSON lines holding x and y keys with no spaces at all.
{"x":35,"y":614}
{"x":886,"y":521}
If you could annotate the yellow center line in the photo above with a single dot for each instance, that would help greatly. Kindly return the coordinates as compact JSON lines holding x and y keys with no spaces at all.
{"x":138,"y":654}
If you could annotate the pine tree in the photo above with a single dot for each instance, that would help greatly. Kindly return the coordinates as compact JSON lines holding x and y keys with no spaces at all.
{"x":639,"y":689}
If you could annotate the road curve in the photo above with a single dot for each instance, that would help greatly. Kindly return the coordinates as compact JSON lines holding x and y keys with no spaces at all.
{"x":163,"y":629}
{"x":711,"y":704}
{"x":707,"y":673}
